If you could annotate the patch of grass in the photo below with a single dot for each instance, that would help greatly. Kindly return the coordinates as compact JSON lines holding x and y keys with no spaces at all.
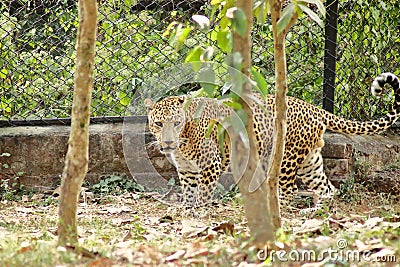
{"x":229,"y":195}
{"x":10,"y":187}
{"x":15,"y":252}
{"x":394,"y":165}
{"x":350,"y":191}
{"x":115,"y":185}
{"x":363,"y":168}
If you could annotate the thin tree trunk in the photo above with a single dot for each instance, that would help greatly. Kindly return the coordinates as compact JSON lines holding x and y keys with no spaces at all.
{"x":76,"y":162}
{"x":280,"y":109}
{"x":256,"y":203}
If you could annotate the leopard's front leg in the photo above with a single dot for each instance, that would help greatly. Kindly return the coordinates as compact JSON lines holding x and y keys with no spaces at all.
{"x":208,"y":183}
{"x":189,"y":184}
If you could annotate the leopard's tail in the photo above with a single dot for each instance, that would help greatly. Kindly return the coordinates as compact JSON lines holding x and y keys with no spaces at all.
{"x":375,"y":126}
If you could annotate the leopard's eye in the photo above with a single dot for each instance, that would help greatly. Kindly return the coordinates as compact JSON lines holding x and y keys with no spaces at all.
{"x":158,"y":123}
{"x":177,"y":123}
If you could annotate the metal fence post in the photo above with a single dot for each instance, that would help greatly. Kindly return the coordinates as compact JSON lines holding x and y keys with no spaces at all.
{"x":330,"y":55}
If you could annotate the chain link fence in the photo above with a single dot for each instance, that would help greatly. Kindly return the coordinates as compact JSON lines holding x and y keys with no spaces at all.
{"x":37,"y":41}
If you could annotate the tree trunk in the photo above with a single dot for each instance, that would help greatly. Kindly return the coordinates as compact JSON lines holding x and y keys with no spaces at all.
{"x":280,"y":108}
{"x":256,"y":203}
{"x":76,"y":162}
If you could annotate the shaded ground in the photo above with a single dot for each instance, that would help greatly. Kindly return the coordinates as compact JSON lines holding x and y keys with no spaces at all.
{"x":133,"y":229}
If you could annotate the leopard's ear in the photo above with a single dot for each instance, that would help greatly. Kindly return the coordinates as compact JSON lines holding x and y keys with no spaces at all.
{"x":148,"y":104}
{"x":182,"y":99}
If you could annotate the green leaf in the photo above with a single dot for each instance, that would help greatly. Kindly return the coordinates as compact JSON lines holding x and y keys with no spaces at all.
{"x":221,"y":138}
{"x":199,"y":110}
{"x":167,"y":32}
{"x":287,"y":15}
{"x":193,"y":57}
{"x":319,"y":81}
{"x":194,"y":54}
{"x":261,"y":82}
{"x":224,"y":41}
{"x":234,"y":60}
{"x":224,"y":23}
{"x":123,"y":99}
{"x":318,"y":3}
{"x":224,"y":20}
{"x":181,"y":35}
{"x":210,"y":128}
{"x":239,"y":22}
{"x":216,"y":2}
{"x":3,"y":73}
{"x":261,"y":10}
{"x":234,"y":105}
{"x":128,"y":3}
{"x":311,"y":14}
{"x":206,"y":78}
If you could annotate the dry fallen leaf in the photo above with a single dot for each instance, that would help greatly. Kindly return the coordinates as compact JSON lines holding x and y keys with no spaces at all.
{"x":197,"y":232}
{"x":393,"y":225}
{"x":24,"y":210}
{"x":101,"y":262}
{"x":372,"y":222}
{"x":192,"y":228}
{"x":372,"y":245}
{"x":211,"y":234}
{"x":25,"y":247}
{"x":122,"y":221}
{"x":175,"y":256}
{"x":151,"y":253}
{"x":124,"y":244}
{"x":309,"y":226}
{"x":225,"y":227}
{"x":124,"y":254}
{"x":195,"y":249}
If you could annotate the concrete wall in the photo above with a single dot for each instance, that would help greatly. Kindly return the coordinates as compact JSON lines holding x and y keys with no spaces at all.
{"x":39,"y":153}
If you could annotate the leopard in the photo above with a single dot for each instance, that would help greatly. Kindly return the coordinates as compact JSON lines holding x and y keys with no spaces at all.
{"x":189,"y":139}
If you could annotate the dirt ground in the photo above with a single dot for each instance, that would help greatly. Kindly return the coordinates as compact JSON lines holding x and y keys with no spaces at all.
{"x":134,"y":229}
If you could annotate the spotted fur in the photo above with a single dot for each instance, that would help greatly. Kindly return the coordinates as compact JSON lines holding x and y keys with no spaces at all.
{"x":181,"y":135}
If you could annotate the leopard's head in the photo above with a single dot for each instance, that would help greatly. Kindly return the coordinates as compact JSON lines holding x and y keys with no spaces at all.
{"x":166,"y":121}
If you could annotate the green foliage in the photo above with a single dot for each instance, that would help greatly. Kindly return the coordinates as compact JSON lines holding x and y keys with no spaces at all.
{"x":261,"y":82}
{"x":347,"y":191}
{"x":394,"y":165}
{"x":37,"y":54}
{"x":115,"y":185}
{"x":287,"y":15}
{"x":9,"y":183}
{"x":36,"y":76}
{"x":228,"y":195}
{"x":368,"y":44}
{"x":9,"y":189}
{"x":239,"y":22}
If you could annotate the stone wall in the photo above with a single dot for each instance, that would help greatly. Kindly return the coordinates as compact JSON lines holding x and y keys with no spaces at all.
{"x":38,"y":153}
